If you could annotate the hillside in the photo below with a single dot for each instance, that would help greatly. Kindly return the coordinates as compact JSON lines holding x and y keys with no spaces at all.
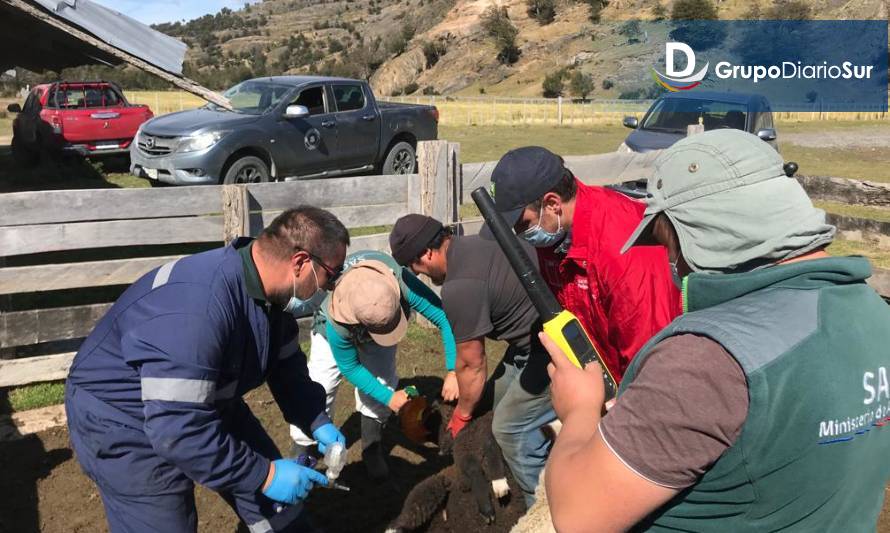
{"x":440,"y":46}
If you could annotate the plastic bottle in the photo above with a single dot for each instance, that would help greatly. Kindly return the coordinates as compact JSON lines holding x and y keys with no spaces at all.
{"x":335,"y":460}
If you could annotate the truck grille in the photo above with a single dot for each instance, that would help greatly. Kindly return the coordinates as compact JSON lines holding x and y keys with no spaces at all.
{"x":155,"y":145}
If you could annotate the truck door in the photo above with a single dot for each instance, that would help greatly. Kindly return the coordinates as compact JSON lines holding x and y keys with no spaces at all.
{"x":358,"y":125}
{"x":309,"y":143}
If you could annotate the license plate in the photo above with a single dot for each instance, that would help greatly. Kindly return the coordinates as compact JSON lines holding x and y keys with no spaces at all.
{"x":151,"y":172}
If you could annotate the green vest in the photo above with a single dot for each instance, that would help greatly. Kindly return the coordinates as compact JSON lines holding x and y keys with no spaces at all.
{"x":321,"y":316}
{"x":814,"y":342}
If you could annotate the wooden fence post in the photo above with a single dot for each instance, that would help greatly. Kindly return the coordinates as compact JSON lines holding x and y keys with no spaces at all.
{"x":559,"y":110}
{"x":236,"y":212}
{"x":432,"y":162}
{"x":456,"y":173}
{"x":431,"y":192}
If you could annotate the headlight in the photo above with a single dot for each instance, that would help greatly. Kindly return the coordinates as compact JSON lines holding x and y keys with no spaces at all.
{"x":624,"y":149}
{"x":200,"y":141}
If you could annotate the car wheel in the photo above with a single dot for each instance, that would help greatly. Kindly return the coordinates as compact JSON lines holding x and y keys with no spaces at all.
{"x":249,"y":169}
{"x":23,"y":154}
{"x":400,"y":160}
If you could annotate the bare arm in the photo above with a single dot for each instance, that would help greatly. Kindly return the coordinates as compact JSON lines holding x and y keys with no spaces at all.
{"x":589,"y":488}
{"x":472,"y":369}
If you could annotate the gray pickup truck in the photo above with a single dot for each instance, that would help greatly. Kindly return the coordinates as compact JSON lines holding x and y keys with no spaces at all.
{"x":286,"y":127}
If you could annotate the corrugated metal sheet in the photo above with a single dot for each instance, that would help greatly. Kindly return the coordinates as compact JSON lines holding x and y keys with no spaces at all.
{"x":121,"y":32}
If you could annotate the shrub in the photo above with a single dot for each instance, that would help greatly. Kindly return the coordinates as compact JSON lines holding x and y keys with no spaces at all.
{"x":410,"y":88}
{"x":543,"y":11}
{"x":553,"y":84}
{"x":596,"y":9}
{"x":429,"y":91}
{"x":659,"y":12}
{"x":497,"y":24}
{"x":581,"y":84}
{"x":608,"y":84}
{"x":632,"y":30}
{"x":432,"y":51}
{"x":694,"y":10}
{"x":335,"y":46}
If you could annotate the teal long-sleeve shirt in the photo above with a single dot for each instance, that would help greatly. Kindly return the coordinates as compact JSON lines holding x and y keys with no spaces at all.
{"x":421,"y":299}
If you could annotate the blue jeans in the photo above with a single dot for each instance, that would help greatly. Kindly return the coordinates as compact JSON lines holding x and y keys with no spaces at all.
{"x":519,"y":413}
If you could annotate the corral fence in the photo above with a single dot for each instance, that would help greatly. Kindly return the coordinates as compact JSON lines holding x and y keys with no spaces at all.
{"x":60,"y":247}
{"x":565,"y":111}
{"x":67,"y":255}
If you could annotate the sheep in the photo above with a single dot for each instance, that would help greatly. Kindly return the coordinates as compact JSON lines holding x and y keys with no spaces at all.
{"x":479,"y":471}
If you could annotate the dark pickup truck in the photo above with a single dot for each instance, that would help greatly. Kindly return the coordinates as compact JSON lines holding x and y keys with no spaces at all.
{"x":285,"y":127}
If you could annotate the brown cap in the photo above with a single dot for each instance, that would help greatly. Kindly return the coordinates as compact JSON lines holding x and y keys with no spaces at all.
{"x":369,"y":294}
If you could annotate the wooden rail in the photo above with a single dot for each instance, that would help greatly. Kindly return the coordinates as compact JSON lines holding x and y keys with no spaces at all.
{"x":58,"y":241}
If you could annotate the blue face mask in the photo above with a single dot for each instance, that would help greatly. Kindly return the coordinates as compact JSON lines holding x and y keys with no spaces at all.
{"x":541,"y":238}
{"x":299,"y":306}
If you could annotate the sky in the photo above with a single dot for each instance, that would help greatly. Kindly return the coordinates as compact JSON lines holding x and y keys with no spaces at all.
{"x":154,"y":11}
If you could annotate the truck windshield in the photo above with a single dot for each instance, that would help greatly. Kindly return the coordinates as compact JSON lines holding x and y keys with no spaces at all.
{"x":254,"y":97}
{"x":672,"y":115}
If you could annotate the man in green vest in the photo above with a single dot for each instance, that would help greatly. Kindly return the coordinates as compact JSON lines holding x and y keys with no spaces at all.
{"x":766,"y":405}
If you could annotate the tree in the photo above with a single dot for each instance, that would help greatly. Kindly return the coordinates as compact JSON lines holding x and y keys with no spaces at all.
{"x":553,"y":84}
{"x":694,"y":10}
{"x":789,"y":10}
{"x":581,"y":84}
{"x":595,"y":9}
{"x":497,"y":24}
{"x":543,"y":11}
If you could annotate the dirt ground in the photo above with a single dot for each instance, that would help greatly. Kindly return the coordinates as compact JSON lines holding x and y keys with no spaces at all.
{"x":44,"y":490}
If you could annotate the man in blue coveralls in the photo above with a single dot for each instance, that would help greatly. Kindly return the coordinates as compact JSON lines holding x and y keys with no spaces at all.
{"x":154,"y":395}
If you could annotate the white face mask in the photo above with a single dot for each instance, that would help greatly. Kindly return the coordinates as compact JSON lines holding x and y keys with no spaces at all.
{"x":538,"y":237}
{"x":299,"y":306}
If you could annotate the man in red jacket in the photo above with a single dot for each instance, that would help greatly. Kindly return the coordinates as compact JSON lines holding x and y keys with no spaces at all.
{"x":621,"y":300}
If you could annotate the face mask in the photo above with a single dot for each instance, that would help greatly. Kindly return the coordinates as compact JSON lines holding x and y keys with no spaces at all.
{"x":299,"y":306}
{"x":675,"y":275}
{"x":541,"y":238}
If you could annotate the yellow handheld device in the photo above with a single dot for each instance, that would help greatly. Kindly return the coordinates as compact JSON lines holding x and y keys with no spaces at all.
{"x":559,"y":324}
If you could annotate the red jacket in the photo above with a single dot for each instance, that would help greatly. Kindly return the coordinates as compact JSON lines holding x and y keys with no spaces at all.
{"x":621,"y":300}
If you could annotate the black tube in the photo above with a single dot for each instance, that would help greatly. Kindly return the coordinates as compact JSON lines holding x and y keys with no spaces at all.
{"x":538,"y":292}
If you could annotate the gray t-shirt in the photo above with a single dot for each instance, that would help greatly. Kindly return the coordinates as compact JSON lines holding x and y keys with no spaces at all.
{"x":483,"y":297}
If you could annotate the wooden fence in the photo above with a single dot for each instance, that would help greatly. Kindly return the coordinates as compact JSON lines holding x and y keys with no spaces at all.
{"x":68,"y":254}
{"x":67,"y":245}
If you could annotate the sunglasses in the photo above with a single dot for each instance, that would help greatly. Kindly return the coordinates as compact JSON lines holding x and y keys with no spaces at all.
{"x":333,"y":273}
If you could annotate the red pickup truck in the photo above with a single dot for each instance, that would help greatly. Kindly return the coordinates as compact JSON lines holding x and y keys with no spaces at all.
{"x":86,"y":118}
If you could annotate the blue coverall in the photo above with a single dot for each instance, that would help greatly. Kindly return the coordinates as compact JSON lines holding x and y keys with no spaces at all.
{"x":154,"y":395}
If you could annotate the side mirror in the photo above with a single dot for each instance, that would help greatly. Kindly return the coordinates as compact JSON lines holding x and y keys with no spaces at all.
{"x":14,"y":108}
{"x":296,"y":111}
{"x":767,"y":134}
{"x":631,"y":122}
{"x":790,"y":169}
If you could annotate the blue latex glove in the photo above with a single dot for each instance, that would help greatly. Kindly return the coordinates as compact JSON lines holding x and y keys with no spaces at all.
{"x":292,"y":482}
{"x":328,"y":434}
